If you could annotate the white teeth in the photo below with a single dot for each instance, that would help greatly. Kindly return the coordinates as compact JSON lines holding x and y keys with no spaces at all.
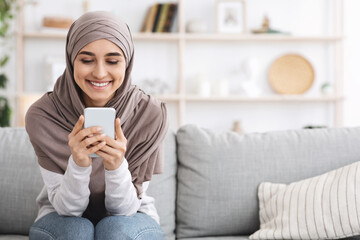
{"x":100,"y":84}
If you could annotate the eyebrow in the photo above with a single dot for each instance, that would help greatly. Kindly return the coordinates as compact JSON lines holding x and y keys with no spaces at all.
{"x":107,"y":55}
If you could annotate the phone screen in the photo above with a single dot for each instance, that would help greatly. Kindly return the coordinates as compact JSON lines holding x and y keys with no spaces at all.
{"x":103,"y":117}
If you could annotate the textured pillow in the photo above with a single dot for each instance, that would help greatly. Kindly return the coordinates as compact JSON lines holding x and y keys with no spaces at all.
{"x":322,"y":207}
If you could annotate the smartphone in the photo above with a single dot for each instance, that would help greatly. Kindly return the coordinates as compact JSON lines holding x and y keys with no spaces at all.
{"x":103,"y":117}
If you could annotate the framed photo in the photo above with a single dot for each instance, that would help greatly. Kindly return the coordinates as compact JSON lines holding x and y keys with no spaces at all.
{"x":230,"y":16}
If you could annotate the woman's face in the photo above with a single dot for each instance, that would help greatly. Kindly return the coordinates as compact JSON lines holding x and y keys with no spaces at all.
{"x":99,"y":70}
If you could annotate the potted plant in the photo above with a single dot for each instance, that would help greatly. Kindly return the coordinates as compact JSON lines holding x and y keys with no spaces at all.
{"x":6,"y":16}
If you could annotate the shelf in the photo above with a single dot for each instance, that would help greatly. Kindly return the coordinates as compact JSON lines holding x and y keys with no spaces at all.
{"x":203,"y":37}
{"x":259,"y":37}
{"x":231,"y":98}
{"x":37,"y":95}
{"x":136,"y":36}
{"x":40,"y":34}
{"x":269,"y":98}
{"x":156,"y":36}
{"x":168,"y":98}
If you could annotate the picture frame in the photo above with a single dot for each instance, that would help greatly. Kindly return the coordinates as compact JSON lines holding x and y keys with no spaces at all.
{"x":231,"y":16}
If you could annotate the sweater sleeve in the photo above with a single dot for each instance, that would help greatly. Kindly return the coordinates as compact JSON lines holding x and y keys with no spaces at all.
{"x":120,"y":193}
{"x":68,"y":193}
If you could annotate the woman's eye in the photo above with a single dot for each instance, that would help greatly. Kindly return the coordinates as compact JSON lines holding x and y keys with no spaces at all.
{"x":113,"y":62}
{"x":85,"y":61}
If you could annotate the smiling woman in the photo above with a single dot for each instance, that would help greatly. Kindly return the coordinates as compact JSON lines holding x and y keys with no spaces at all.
{"x":101,"y":197}
{"x":99,"y":70}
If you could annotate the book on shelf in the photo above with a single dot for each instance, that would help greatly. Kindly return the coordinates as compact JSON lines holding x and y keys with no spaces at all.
{"x":157,"y":16}
{"x":160,"y":17}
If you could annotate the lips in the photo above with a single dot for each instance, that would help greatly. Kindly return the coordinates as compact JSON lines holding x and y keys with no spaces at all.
{"x":103,"y":84}
{"x":99,"y":84}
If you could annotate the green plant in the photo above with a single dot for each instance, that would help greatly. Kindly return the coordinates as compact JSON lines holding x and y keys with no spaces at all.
{"x":5,"y":112}
{"x":7,"y":9}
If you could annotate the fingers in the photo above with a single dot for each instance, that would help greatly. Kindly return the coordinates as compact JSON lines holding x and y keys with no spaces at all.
{"x":87,"y":132}
{"x":114,"y":153}
{"x":112,"y":158}
{"x":111,"y":142}
{"x":119,"y":133}
{"x":96,"y":148}
{"x":88,"y":142}
{"x":78,"y":126}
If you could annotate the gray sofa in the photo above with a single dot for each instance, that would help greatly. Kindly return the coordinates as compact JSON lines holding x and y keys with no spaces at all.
{"x":208,"y":190}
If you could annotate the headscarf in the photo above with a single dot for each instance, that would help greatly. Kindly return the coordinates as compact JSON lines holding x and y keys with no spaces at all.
{"x":50,"y":120}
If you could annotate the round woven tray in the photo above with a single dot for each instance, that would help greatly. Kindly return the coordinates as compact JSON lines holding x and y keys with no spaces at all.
{"x":291,"y":74}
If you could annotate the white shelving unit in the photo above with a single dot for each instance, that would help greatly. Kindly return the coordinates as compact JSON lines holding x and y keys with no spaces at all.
{"x":182,"y":99}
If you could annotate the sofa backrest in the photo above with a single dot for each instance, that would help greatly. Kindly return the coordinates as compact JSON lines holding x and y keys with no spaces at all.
{"x":163,"y":188}
{"x":219,"y":173}
{"x":21,"y":182}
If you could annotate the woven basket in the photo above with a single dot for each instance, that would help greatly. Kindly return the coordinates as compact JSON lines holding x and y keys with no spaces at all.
{"x":291,"y":74}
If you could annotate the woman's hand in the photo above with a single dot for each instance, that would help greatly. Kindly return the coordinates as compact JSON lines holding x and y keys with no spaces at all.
{"x":83,"y":142}
{"x":114,"y":151}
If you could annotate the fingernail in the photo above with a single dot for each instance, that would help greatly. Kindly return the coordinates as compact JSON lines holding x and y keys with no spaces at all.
{"x":98,"y":129}
{"x":103,"y":135}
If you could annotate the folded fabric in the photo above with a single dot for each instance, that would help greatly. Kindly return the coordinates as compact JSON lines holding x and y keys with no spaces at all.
{"x":322,"y":207}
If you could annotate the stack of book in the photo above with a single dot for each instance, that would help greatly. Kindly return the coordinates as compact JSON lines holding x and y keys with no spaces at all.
{"x":160,"y":17}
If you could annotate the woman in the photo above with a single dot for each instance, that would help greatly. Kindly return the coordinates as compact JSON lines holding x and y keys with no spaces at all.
{"x":104,"y":197}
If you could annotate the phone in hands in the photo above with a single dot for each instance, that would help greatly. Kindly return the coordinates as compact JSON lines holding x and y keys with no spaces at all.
{"x":103,"y":117}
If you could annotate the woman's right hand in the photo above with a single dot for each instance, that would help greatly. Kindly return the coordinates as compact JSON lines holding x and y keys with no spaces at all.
{"x":83,"y":142}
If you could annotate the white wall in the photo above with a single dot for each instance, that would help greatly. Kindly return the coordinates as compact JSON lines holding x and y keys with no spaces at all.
{"x":352,"y":63}
{"x":158,"y":60}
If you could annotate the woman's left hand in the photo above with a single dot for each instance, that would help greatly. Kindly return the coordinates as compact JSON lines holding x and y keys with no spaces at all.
{"x":113,"y":152}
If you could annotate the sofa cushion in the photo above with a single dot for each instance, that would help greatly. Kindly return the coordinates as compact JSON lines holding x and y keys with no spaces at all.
{"x":163,"y":188}
{"x":20,"y":182}
{"x":219,"y":173}
{"x":321,"y":207}
{"x":13,"y":237}
{"x":218,"y":238}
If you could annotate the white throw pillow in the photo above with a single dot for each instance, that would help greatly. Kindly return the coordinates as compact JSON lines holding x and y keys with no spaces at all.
{"x":322,"y":207}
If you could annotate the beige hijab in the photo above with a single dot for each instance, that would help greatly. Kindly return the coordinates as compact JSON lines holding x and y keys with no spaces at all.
{"x":143,"y":118}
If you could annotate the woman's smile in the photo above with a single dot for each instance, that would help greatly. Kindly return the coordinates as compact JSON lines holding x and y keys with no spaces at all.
{"x":99,"y":85}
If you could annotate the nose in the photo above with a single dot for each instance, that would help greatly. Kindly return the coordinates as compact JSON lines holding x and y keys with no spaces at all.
{"x":100,"y":71}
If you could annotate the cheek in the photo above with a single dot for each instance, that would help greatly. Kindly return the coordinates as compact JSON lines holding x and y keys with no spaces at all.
{"x":120,"y":74}
{"x":79,"y":73}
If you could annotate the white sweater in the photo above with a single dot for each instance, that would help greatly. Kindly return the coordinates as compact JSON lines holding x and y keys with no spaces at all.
{"x":68,"y":194}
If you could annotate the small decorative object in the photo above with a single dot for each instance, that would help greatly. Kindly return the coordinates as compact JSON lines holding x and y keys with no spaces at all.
{"x":204,"y":85}
{"x":221,"y":87}
{"x":251,"y":89}
{"x":250,"y":72}
{"x":291,"y":74}
{"x":86,"y":6}
{"x":154,"y":86}
{"x":327,"y":88}
{"x":57,"y":22}
{"x":231,"y":16}
{"x":265,"y":28}
{"x":238,"y":127}
{"x":314,"y":126}
{"x":196,"y":26}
